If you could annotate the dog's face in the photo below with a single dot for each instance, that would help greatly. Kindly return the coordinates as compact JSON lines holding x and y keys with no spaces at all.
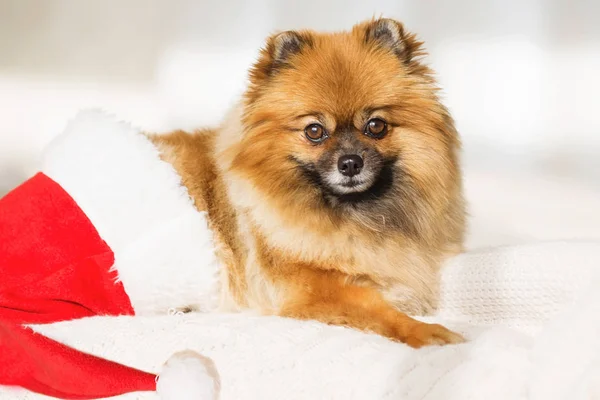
{"x":349,"y":124}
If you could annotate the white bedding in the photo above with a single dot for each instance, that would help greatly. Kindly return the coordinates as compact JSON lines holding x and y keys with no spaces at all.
{"x":531,"y":313}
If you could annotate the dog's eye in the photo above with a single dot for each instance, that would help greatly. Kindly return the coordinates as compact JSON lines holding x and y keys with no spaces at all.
{"x":376,"y":128}
{"x":315,"y":133}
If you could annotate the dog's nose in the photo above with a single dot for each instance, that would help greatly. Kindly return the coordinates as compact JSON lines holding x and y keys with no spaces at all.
{"x":350,"y":164}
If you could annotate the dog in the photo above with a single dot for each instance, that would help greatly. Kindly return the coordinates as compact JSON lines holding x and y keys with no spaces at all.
{"x":333,"y":188}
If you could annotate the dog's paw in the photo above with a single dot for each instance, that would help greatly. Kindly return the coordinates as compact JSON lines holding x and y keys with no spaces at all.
{"x":432,"y":334}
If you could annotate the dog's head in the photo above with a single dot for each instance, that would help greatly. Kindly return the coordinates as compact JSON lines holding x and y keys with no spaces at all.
{"x":349,"y":125}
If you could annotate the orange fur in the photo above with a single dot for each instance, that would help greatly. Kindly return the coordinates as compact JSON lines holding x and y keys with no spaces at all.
{"x":291,"y":248}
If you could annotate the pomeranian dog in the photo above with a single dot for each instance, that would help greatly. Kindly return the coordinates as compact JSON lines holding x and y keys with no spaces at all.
{"x":333,"y":189}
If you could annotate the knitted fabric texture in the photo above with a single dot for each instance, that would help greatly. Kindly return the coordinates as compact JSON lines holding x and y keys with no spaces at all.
{"x":531,"y":314}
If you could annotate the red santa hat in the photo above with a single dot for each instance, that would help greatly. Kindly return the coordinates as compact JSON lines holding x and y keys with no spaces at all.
{"x":106,"y":228}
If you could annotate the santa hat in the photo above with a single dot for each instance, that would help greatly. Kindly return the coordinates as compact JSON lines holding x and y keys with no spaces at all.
{"x":106,"y":228}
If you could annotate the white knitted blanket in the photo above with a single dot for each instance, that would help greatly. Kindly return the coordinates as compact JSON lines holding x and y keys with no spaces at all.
{"x":531,"y":313}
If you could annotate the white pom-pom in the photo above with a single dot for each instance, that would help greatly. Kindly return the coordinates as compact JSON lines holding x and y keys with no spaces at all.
{"x":188,"y":376}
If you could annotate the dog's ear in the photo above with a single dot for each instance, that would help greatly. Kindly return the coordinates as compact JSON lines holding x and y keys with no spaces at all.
{"x":390,"y":34}
{"x":279,"y":52}
{"x":283,"y":46}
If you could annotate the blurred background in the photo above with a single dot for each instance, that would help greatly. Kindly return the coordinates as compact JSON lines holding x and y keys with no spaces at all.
{"x":522,"y":79}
